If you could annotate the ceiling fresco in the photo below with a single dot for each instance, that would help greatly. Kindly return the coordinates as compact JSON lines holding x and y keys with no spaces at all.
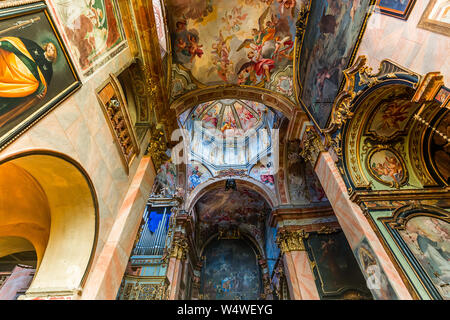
{"x":245,"y":42}
{"x":242,"y":208}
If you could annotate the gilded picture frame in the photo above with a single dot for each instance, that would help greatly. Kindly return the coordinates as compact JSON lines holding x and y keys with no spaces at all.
{"x":415,"y":251}
{"x":396,"y":8}
{"x":392,"y":172}
{"x":432,"y":18}
{"x":30,"y":42}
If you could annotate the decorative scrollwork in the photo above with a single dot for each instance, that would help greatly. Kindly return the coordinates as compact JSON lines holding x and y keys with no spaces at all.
{"x":291,"y":240}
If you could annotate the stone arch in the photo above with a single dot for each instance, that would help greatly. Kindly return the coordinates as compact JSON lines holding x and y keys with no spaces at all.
{"x":265,"y":96}
{"x":49,"y":200}
{"x":213,"y":183}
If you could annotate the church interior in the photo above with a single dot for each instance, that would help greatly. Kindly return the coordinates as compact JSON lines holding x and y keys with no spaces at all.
{"x":224,"y":150}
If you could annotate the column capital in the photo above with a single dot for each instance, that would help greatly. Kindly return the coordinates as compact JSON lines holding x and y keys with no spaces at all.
{"x":179,"y":249}
{"x":291,"y":240}
{"x":312,"y":146}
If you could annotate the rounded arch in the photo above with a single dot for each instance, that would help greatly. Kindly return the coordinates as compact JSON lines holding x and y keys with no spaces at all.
{"x":248,"y":238}
{"x":374,"y":126}
{"x":62,"y":224}
{"x":265,"y":96}
{"x":214,"y":183}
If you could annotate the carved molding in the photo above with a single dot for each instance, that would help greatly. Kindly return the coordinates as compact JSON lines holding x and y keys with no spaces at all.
{"x":113,"y":102}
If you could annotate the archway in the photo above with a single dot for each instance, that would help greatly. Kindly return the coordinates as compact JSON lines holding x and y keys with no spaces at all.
{"x":48,"y":204}
{"x":230,"y":271}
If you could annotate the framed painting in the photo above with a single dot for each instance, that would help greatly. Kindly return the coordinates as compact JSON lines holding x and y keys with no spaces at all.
{"x":93,"y":30}
{"x":436,"y":17}
{"x":387,"y":167}
{"x":336,"y":271}
{"x":36,"y":71}
{"x":423,"y":235}
{"x":331,"y":39}
{"x":396,"y":8}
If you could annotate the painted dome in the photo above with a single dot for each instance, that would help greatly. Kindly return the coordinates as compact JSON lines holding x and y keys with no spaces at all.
{"x":230,"y":117}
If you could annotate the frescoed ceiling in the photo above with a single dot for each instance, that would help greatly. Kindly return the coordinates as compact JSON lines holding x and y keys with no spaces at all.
{"x":220,"y":209}
{"x":230,"y":133}
{"x":243,"y":42}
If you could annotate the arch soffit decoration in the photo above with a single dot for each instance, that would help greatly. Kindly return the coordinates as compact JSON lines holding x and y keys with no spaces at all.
{"x":269,"y":98}
{"x":351,"y":115}
{"x":219,"y":182}
{"x":62,"y":178}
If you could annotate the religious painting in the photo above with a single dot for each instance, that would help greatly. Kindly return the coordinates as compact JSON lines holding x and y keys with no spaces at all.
{"x":316,"y":192}
{"x":336,"y":271}
{"x":263,"y":172}
{"x":392,"y":114}
{"x":242,"y":208}
{"x":230,"y":272}
{"x":236,"y":41}
{"x":443,"y":96}
{"x":387,"y":167}
{"x":197,"y":173}
{"x":330,"y":40}
{"x":396,"y":8}
{"x":166,"y":179}
{"x":436,"y":17}
{"x":376,"y":279}
{"x":36,"y":71}
{"x":93,"y":28}
{"x":428,"y":238}
{"x":296,"y":177}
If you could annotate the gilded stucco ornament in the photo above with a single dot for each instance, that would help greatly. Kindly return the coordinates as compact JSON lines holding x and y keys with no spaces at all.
{"x":292,"y":240}
{"x":179,"y":249}
{"x":312,"y":146}
{"x":157,"y":147}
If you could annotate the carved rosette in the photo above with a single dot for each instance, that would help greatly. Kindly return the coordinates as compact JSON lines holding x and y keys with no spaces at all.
{"x":289,"y":241}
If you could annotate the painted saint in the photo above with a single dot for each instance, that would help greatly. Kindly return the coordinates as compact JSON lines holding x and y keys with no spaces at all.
{"x":26,"y":70}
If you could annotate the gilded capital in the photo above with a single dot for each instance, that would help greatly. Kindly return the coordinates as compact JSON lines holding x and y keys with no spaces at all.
{"x":312,"y":146}
{"x":179,"y":249}
{"x":292,"y":240}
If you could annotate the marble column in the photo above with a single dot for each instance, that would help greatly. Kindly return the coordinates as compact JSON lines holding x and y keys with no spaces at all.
{"x":349,"y":215}
{"x":297,"y":268}
{"x":177,"y":257}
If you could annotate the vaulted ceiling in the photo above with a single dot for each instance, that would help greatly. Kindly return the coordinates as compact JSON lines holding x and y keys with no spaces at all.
{"x":240,"y":42}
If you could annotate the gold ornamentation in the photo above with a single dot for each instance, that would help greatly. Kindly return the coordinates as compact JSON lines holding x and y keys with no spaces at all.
{"x":312,"y":146}
{"x":179,"y":249}
{"x":157,"y":147}
{"x":114,"y":106}
{"x":292,"y":240}
{"x":143,"y":290}
{"x":327,"y":230}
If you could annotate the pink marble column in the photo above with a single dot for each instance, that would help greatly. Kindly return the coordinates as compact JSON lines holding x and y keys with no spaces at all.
{"x":300,"y":277}
{"x":107,"y":272}
{"x":352,"y":220}
{"x":174,"y":273}
{"x":297,"y":268}
{"x":19,"y":280}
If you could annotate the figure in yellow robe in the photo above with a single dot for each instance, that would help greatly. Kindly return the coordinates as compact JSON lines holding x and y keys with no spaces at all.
{"x":25,"y":73}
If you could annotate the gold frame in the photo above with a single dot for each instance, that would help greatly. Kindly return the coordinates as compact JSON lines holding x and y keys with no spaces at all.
{"x":433,"y":25}
{"x":392,"y":184}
